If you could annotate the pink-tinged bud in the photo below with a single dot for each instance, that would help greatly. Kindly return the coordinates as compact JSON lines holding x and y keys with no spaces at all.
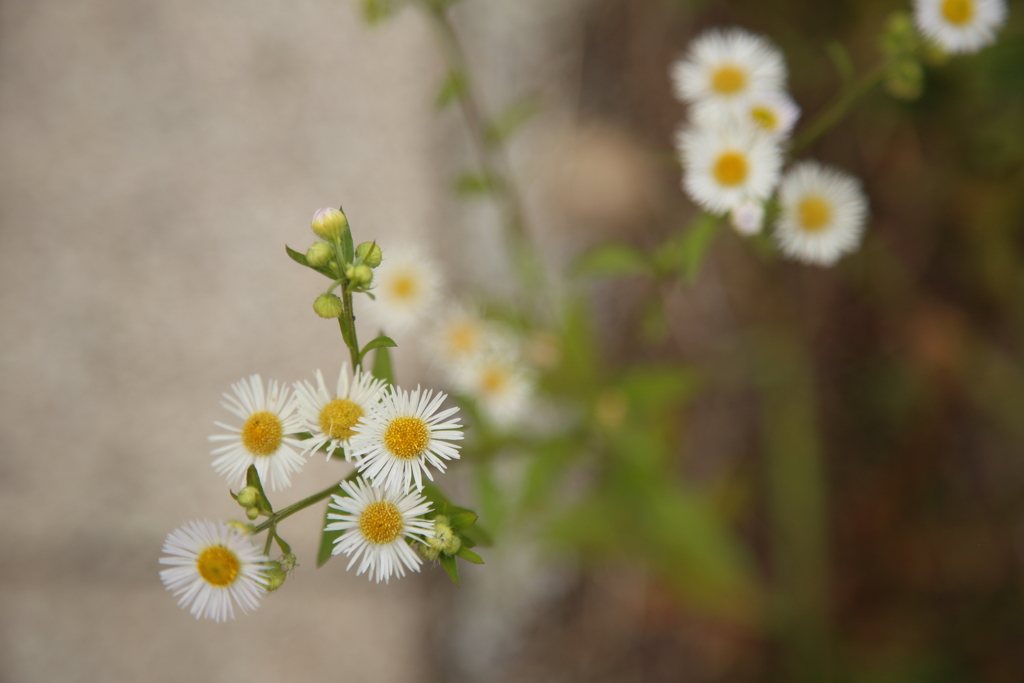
{"x":328,"y":224}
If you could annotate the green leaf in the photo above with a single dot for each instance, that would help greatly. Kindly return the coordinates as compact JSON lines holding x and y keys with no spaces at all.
{"x":686,"y":250}
{"x":504,"y":124}
{"x":348,"y":248}
{"x":300,"y":258}
{"x":252,"y":478}
{"x":612,"y":260}
{"x":327,"y":538}
{"x":478,"y":535}
{"x":451,"y":89}
{"x":841,"y":59}
{"x":463,"y":520}
{"x":448,"y":562}
{"x":377,"y":343}
{"x":473,"y":184}
{"x":468,"y":555}
{"x":382,"y":365}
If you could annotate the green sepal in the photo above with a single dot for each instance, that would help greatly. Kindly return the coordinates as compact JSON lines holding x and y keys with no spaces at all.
{"x":377,"y":343}
{"x":382,"y":368}
{"x":300,"y":258}
{"x":612,"y":260}
{"x":469,"y":556}
{"x":452,"y":88}
{"x":463,"y":520}
{"x":252,"y":478}
{"x":327,"y":538}
{"x":448,"y":562}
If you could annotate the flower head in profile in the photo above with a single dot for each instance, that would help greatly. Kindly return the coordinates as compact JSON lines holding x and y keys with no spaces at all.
{"x":960,"y":26}
{"x":377,"y":524}
{"x":213,"y":567}
{"x":407,"y":285}
{"x":331,"y":418}
{"x":822,"y":213}
{"x":771,"y":113}
{"x":268,"y":417}
{"x":728,"y":164}
{"x":402,"y":435}
{"x":727,"y":66}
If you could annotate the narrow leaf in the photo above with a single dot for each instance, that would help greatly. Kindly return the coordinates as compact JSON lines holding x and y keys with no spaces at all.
{"x":695,"y":244}
{"x":504,"y":124}
{"x":448,"y":562}
{"x":296,"y":256}
{"x":382,"y":365}
{"x":468,"y":555}
{"x":463,"y":520}
{"x":841,"y":59}
{"x":451,"y":89}
{"x":377,"y":343}
{"x":348,"y":248}
{"x":327,"y":538}
{"x":612,"y":260}
{"x":473,"y":184}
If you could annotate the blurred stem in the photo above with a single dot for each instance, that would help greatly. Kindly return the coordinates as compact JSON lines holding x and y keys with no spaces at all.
{"x":838,"y":109}
{"x":490,"y":154}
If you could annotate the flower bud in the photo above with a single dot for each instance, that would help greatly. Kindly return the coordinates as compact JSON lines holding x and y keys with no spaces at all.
{"x":248,"y":497}
{"x":274,"y":575}
{"x":746,"y":217}
{"x":252,"y":513}
{"x":319,"y":255}
{"x":288,"y":562}
{"x":327,"y":306}
{"x":241,"y":527}
{"x":361,"y":276}
{"x":328,"y":224}
{"x":369,"y":254}
{"x":905,"y":79}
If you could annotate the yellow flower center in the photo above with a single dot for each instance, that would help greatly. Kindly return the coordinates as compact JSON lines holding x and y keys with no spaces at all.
{"x":764,"y":117}
{"x":261,"y":433}
{"x":493,"y":380}
{"x":958,"y":11}
{"x":730,"y":169}
{"x":727,"y":80}
{"x":338,"y":417}
{"x":814,"y":213}
{"x":380,"y":523}
{"x":462,"y":338}
{"x":218,"y":566}
{"x":406,"y":437}
{"x":403,"y":287}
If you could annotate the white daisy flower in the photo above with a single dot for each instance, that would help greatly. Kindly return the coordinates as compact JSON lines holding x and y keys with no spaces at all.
{"x":406,"y":287}
{"x":403,"y":434}
{"x":262,"y":439}
{"x":726,"y":66}
{"x":499,"y":384}
{"x":728,"y":164}
{"x":822,"y":213}
{"x":960,"y":26}
{"x":213,"y":568}
{"x":747,"y":217}
{"x":377,"y":523}
{"x":773,"y":113}
{"x":458,"y":333}
{"x":330,"y":418}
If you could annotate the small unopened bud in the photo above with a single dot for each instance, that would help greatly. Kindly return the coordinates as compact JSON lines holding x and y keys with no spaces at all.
{"x":369,"y":254}
{"x":252,"y":513}
{"x":288,"y":562}
{"x":445,"y":540}
{"x":241,"y":527}
{"x":319,"y":255}
{"x":361,"y":276}
{"x":431,"y":550}
{"x":275,"y":576}
{"x":248,"y":497}
{"x":746,"y":217}
{"x":327,"y":306}
{"x":328,"y":224}
{"x":905,"y":79}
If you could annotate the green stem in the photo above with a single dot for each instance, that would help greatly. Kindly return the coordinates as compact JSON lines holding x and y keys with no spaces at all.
{"x":347,"y":322}
{"x":301,"y":505}
{"x":838,"y":109}
{"x":490,"y":155}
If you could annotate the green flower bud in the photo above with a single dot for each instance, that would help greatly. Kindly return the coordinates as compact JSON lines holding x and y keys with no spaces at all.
{"x":248,"y":497}
{"x":252,"y":513}
{"x":899,"y":36}
{"x":328,"y":224}
{"x":288,"y":562}
{"x":361,"y":276}
{"x":369,"y":254}
{"x":430,"y":551}
{"x":275,"y":576}
{"x":327,"y":306}
{"x":241,"y":527}
{"x":905,"y":80}
{"x":319,"y":255}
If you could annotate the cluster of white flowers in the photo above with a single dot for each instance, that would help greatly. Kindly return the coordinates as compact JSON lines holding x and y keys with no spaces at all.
{"x":732,"y":149}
